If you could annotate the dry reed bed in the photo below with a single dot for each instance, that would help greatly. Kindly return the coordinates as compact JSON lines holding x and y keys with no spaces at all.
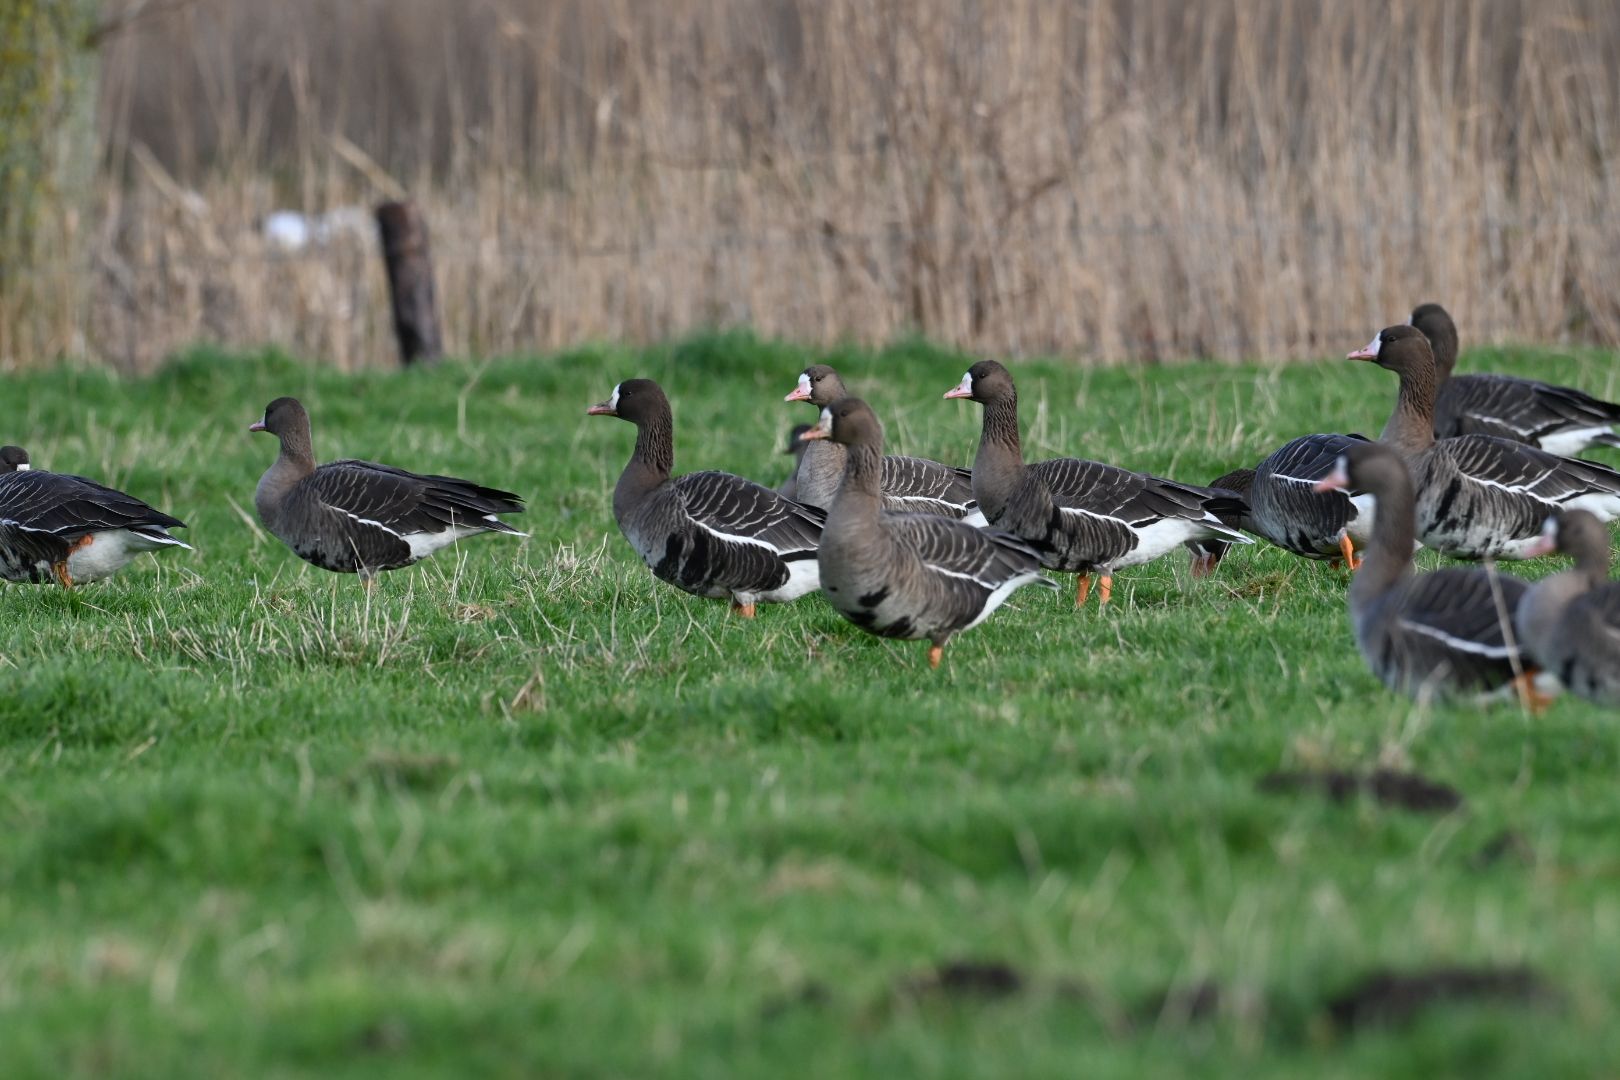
{"x":1109,"y":180}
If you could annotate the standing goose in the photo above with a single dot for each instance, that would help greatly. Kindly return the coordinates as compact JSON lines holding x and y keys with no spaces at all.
{"x":357,"y":517}
{"x":1285,"y":508}
{"x":74,"y":530}
{"x":1478,"y":496}
{"x":1422,"y":634}
{"x":1570,"y":622}
{"x":907,"y":576}
{"x":1082,"y":517}
{"x":789,"y":488}
{"x":1558,"y":419}
{"x":909,"y":483}
{"x":711,"y":534}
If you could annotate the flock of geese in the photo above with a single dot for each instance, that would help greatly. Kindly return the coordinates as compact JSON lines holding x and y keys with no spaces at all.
{"x":1477,"y":467}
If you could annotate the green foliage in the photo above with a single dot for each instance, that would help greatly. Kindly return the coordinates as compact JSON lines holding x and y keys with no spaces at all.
{"x":525,"y":811}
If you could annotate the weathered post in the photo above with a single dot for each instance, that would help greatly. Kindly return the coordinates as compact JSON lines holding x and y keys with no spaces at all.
{"x":410,"y":282}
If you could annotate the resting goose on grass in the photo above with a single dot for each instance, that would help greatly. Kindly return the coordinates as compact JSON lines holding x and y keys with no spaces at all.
{"x":1442,"y":633}
{"x":357,"y":517}
{"x":1082,"y":517}
{"x":909,"y":483}
{"x":711,"y":534}
{"x":1478,"y":496}
{"x":1569,"y":622}
{"x":1558,"y":419}
{"x":1286,"y":509}
{"x":67,"y":528}
{"x":907,"y":576}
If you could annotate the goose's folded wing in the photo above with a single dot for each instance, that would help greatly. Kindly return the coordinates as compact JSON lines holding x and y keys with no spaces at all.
{"x":911,"y":477}
{"x":1519,"y":467}
{"x":406,"y":503}
{"x":739,"y":509}
{"x":1463,"y":611}
{"x":1525,"y":409}
{"x":65,"y":505}
{"x":986,"y":557}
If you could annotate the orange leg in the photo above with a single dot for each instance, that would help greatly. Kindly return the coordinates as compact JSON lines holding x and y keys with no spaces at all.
{"x":934,"y":654}
{"x":1106,"y":590}
{"x":1349,"y":552}
{"x":745,"y":610}
{"x":1529,"y":696}
{"x":1082,"y":590}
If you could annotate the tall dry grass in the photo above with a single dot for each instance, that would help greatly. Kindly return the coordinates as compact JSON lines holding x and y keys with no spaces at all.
{"x":1108,"y":179}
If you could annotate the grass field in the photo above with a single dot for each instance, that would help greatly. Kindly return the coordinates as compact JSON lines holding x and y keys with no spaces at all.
{"x":525,"y":811}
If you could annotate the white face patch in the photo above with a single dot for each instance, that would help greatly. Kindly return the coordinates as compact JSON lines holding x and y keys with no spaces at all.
{"x":613,"y":402}
{"x":967,"y":383}
{"x":1549,"y":528}
{"x":1372,"y":346}
{"x":804,"y":384}
{"x":24,"y":467}
{"x":825,"y":426}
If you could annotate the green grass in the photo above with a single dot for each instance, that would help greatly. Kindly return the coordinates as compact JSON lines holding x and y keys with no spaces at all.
{"x":526,"y":811}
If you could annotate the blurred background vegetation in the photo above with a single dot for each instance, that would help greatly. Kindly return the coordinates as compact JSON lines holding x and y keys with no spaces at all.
{"x":1107,"y":180}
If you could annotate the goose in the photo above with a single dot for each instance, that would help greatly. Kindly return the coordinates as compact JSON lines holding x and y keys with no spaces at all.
{"x":789,"y":488}
{"x":909,"y":483}
{"x":711,"y":534}
{"x":1478,"y":496}
{"x":907,"y":575}
{"x":1558,"y":419}
{"x":72,"y":530}
{"x":1285,"y":508}
{"x":1444,"y":633}
{"x":358,"y":517}
{"x":1083,"y":517}
{"x":1569,"y":622}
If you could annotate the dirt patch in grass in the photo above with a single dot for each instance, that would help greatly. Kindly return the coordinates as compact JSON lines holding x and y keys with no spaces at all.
{"x":1393,"y":998}
{"x":1406,"y":791}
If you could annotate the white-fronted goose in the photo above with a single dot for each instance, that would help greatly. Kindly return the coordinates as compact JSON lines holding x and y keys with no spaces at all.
{"x":67,"y":528}
{"x":789,"y":488}
{"x":910,"y":484}
{"x":1558,"y":419}
{"x":1478,"y":496}
{"x":1569,"y":622}
{"x":1285,"y":508}
{"x":1442,"y":633}
{"x":358,"y":517}
{"x":711,"y":534}
{"x":907,"y":576}
{"x":1082,"y":517}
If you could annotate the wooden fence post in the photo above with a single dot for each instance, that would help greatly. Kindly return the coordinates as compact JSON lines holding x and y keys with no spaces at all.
{"x":410,"y":282}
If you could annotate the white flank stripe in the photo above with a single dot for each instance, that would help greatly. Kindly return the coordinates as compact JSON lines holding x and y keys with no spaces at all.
{"x":1500,"y":652}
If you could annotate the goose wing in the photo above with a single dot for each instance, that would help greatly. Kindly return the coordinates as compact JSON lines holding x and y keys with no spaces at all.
{"x":740,"y":510}
{"x":1457,"y":621}
{"x":984,"y":557}
{"x":1523,"y":469}
{"x":1132,"y":498}
{"x":69,"y":506}
{"x":1524,"y":410}
{"x":405,"y":503}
